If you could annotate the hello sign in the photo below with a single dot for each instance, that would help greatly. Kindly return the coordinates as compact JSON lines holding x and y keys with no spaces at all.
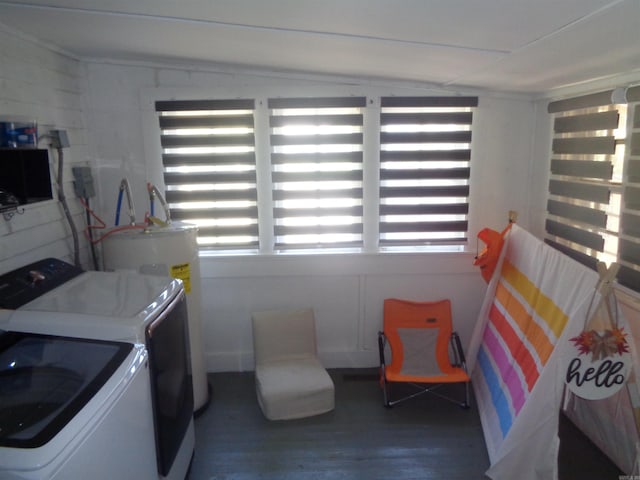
{"x":601,"y":366}
{"x":602,"y":363}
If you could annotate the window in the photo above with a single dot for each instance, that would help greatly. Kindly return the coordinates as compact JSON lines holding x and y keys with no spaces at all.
{"x":591,"y":213}
{"x":425,"y":150}
{"x":303,"y":181}
{"x":629,"y":247}
{"x":316,"y":162}
{"x":208,"y":153}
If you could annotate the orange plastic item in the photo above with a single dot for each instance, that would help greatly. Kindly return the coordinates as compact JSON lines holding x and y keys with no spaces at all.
{"x":487,"y":259}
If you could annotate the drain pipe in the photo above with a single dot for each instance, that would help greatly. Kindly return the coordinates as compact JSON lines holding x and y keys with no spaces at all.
{"x":59,"y":141}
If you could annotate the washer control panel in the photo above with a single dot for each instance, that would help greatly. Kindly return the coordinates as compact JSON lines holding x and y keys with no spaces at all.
{"x":27,"y":283}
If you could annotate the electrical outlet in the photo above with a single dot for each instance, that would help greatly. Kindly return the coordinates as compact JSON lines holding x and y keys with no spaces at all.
{"x":83,"y":182}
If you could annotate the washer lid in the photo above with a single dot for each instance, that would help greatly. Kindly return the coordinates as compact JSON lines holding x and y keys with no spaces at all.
{"x":46,"y":380}
{"x":109,"y":294}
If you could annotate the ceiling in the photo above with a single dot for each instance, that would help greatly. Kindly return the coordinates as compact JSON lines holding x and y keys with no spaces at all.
{"x":502,"y":45}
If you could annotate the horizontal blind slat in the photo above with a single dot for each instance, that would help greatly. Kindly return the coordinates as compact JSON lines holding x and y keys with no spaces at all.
{"x":425,"y":137}
{"x":424,"y":174}
{"x":198,"y":214}
{"x":431,"y":241}
{"x":462,"y":154}
{"x":455,"y":226}
{"x":317,"y":102}
{"x":324,"y":157}
{"x":176,"y":196}
{"x":171,"y":178}
{"x":354,"y":211}
{"x":582,"y":237}
{"x":448,"y":191}
{"x":430,"y":209}
{"x":281,"y":230}
{"x":584,"y":101}
{"x":581,"y":191}
{"x":588,"y":145}
{"x":587,"y":215}
{"x":178,"y":160}
{"x":421,"y":118}
{"x":227,"y":121}
{"x":344,"y":139}
{"x":582,"y":168}
{"x":173,"y":141}
{"x":294,"y":195}
{"x":229,"y":231}
{"x":197,"y":105}
{"x":435,"y":101}
{"x":588,"y":122}
{"x":315,"y":120}
{"x":339,"y":176}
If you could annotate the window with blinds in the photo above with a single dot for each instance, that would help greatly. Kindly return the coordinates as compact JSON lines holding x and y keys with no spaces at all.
{"x":425,"y":152}
{"x":317,"y":170}
{"x":593,"y":206}
{"x":629,"y":247}
{"x":208,"y":153}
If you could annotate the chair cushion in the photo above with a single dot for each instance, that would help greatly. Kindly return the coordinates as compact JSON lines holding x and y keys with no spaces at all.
{"x":294,"y":388}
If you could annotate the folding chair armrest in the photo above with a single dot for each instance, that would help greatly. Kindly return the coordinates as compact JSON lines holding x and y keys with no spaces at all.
{"x":458,"y":351}
{"x":382,"y":340}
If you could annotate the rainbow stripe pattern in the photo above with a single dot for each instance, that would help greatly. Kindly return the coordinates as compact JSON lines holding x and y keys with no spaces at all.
{"x":523,"y":327}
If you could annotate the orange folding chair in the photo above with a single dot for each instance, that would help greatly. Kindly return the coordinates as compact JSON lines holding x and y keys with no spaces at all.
{"x":425,"y":352}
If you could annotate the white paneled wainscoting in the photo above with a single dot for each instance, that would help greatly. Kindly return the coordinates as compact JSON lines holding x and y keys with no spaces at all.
{"x":345,"y":291}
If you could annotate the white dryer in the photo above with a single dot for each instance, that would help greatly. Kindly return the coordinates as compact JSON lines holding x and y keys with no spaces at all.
{"x":53,"y":297}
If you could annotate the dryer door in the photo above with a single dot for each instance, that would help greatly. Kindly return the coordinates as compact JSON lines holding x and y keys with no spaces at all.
{"x":46,"y":380}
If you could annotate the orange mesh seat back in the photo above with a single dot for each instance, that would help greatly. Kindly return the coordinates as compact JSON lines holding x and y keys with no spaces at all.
{"x":418,"y":334}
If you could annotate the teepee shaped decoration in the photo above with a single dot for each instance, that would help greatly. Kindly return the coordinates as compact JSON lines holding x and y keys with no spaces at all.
{"x":601,"y":361}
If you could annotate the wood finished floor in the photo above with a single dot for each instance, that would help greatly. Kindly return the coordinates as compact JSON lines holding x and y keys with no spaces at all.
{"x":422,"y":439}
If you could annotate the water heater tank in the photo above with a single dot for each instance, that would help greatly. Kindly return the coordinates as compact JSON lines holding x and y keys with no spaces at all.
{"x":170,"y":251}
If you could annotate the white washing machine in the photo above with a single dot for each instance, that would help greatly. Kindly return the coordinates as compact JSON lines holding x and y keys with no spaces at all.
{"x":53,"y":297}
{"x":69,"y":407}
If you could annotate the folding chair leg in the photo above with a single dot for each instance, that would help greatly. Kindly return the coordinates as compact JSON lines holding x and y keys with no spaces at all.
{"x":466,"y":404}
{"x":385,"y":389}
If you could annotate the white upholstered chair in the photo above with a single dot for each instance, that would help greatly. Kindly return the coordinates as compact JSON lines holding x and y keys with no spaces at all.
{"x":290,"y":380}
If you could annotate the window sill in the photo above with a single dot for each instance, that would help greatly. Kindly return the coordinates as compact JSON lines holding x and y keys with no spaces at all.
{"x":333,"y":263}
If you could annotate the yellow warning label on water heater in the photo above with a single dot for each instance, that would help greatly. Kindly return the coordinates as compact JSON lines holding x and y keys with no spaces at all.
{"x":183,"y":272}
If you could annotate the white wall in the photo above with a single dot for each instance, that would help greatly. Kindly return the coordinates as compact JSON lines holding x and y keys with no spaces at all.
{"x":49,"y":88}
